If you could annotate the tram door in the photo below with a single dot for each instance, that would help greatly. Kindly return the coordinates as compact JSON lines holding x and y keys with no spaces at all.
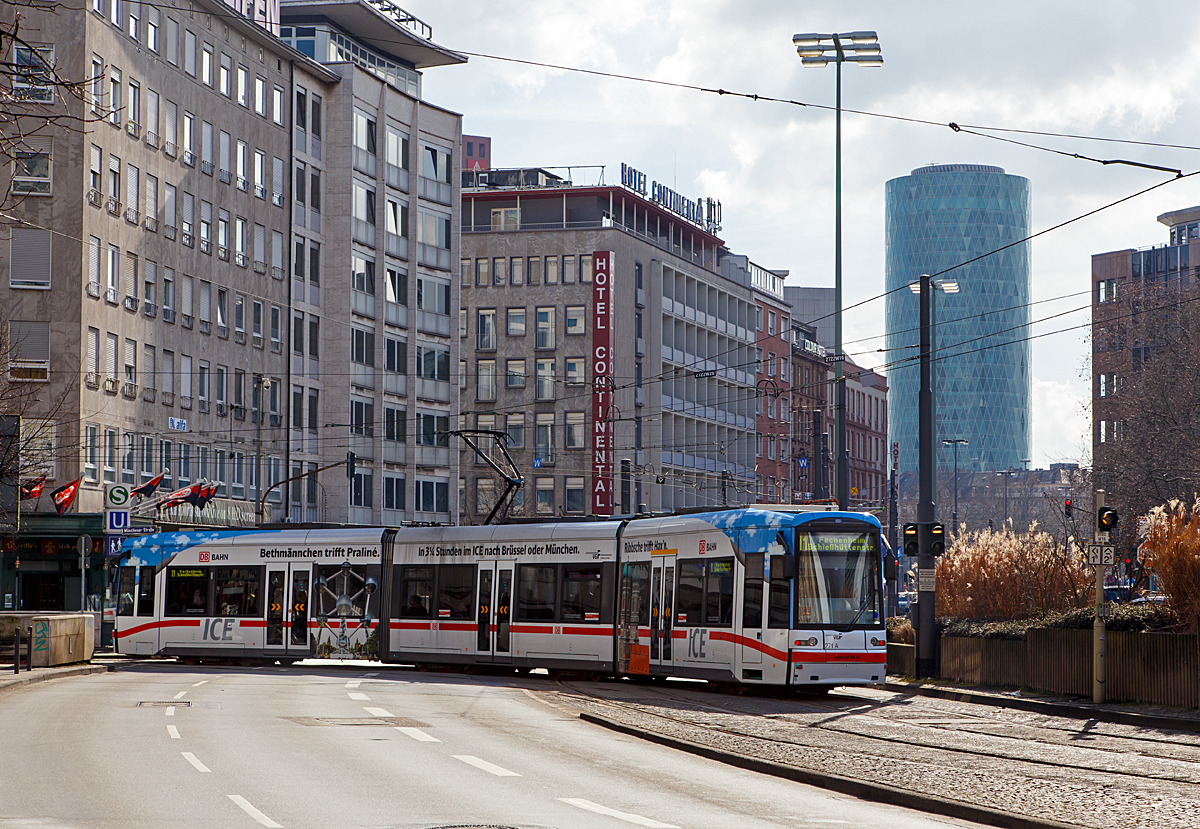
{"x":492,"y":612}
{"x":753,"y":582}
{"x":288,"y":614}
{"x":662,"y":600}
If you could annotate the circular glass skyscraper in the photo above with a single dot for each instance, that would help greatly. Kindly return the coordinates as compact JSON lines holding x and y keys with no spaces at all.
{"x":939,"y":217}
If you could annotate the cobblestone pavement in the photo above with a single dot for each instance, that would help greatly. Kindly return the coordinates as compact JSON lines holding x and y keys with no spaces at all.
{"x":1068,"y":771}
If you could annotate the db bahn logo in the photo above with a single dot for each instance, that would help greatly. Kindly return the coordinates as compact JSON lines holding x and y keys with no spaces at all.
{"x":204,"y":558}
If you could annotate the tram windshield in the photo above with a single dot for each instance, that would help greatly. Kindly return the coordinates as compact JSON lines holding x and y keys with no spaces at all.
{"x":837,"y":579}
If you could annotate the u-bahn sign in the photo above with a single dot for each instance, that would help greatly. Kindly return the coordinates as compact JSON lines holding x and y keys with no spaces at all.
{"x":602,"y":383}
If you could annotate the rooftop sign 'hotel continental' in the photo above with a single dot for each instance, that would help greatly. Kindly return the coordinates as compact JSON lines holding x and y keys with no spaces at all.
{"x":703,"y":212}
{"x":603,"y":445}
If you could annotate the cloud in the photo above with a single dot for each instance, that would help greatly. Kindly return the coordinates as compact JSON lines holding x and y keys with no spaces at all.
{"x":1061,"y":425}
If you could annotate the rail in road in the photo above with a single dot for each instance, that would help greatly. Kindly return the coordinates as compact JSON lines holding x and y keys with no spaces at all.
{"x":1045,"y":768}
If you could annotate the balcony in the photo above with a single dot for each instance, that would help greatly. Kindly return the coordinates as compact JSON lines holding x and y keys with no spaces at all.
{"x":225,"y":175}
{"x":397,"y":177}
{"x":433,"y":390}
{"x":131,"y":215}
{"x":92,"y":380}
{"x":93,"y":290}
{"x":168,"y":315}
{"x":113,"y":206}
{"x":151,"y":224}
{"x":206,"y":167}
{"x":95,"y":198}
{"x":395,"y":314}
{"x":394,"y":452}
{"x":188,"y":157}
{"x":431,"y":455}
{"x":363,"y":231}
{"x":260,"y":266}
{"x":363,"y":446}
{"x":260,"y":192}
{"x":170,"y":150}
{"x":149,"y":395}
{"x":363,"y":376}
{"x":396,"y":245}
{"x":205,"y":326}
{"x":186,"y":321}
{"x":362,"y":304}
{"x":129,"y":391}
{"x":240,"y":260}
{"x":152,"y":140}
{"x":433,"y":256}
{"x":432,"y":323}
{"x":433,"y":190}
{"x":131,"y":303}
{"x":277,"y":199}
{"x":149,"y":309}
{"x":185,"y":402}
{"x":364,"y":161}
{"x":111,"y":384}
{"x":168,"y":398}
{"x":169,"y":232}
{"x":395,"y":383}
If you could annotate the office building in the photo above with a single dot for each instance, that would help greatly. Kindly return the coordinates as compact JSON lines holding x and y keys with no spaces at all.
{"x":938,"y":218}
{"x":670,"y":387}
{"x":476,"y":153}
{"x":376,"y":179}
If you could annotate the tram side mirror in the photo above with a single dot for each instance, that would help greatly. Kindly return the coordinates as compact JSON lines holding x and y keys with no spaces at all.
{"x":782,"y":567}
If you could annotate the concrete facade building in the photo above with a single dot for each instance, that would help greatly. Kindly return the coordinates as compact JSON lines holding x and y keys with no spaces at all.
{"x":938,"y":218}
{"x":374,"y":233}
{"x":683,"y":339}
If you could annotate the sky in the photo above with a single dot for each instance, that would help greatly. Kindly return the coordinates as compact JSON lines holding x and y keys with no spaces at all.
{"x":1126,"y":70}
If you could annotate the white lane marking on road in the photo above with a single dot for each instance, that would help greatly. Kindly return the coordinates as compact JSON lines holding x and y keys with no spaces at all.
{"x":485,"y":765}
{"x":373,"y":673}
{"x":180,"y":695}
{"x":170,"y":710}
{"x":201,"y":682}
{"x":191,"y":758}
{"x":379,"y":712}
{"x":173,"y":731}
{"x":354,"y":683}
{"x":355,"y":695}
{"x":254,"y":813}
{"x":580,"y":803}
{"x":417,"y":734}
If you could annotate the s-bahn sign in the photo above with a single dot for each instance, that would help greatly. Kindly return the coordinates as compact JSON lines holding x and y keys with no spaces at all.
{"x":602,"y":383}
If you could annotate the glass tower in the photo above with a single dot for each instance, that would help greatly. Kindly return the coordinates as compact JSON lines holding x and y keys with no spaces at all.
{"x":939,"y":217}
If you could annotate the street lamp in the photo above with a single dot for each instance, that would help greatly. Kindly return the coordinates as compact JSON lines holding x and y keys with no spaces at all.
{"x":1008,"y":473}
{"x":955,"y":442}
{"x":262,"y":387}
{"x":816,"y":50}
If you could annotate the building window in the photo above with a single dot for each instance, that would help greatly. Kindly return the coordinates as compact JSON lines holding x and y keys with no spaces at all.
{"x":362,"y":347}
{"x":362,"y":417}
{"x":432,"y":496}
{"x":395,"y":424}
{"x":514,"y":374}
{"x":515,"y":426}
{"x":433,"y":363}
{"x":545,"y":328}
{"x":575,"y":319}
{"x":393,"y":493}
{"x":485,"y":380}
{"x":516,"y":322}
{"x":485,"y":329}
{"x":574,"y":431}
{"x":32,"y":167}
{"x":544,"y":436}
{"x":575,"y":371}
{"x":544,"y":488}
{"x":545,"y":380}
{"x":360,"y":490}
{"x":573,"y":496}
{"x":433,"y":430}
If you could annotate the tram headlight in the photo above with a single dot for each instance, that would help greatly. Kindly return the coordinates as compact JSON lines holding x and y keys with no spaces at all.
{"x":810,"y":642}
{"x":876,"y":642}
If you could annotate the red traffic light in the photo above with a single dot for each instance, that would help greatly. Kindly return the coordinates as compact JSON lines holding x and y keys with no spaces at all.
{"x":1067,"y":507}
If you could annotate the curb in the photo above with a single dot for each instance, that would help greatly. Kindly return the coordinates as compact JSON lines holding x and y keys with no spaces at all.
{"x":843,"y":785}
{"x":65,"y":673}
{"x":1056,"y":709}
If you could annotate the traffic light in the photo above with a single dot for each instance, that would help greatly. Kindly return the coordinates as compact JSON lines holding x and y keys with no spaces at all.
{"x":1106,"y":519}
{"x":1067,"y":508}
{"x":912,"y":545}
{"x":350,"y":459}
{"x":937,"y":539}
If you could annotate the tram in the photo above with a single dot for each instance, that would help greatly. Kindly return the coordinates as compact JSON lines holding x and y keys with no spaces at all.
{"x":770,"y":595}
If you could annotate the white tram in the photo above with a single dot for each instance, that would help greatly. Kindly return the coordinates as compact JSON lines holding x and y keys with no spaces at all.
{"x":762,"y":595}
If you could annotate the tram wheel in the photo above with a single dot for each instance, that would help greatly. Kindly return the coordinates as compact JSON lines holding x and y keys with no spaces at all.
{"x":189,"y":660}
{"x":468,"y":669}
{"x":247,"y":662}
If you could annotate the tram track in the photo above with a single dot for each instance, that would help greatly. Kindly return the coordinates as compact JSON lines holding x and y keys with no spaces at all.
{"x":1113,"y":758}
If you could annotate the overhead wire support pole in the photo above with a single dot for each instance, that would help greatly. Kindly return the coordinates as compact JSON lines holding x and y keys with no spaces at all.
{"x":926,"y":639}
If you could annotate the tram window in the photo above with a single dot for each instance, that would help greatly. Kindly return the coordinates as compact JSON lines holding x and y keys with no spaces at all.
{"x":536,"y":586}
{"x":752,"y":591}
{"x":187,"y":591}
{"x":637,"y":579}
{"x":145,"y":602}
{"x":456,"y":591}
{"x":237,"y":591}
{"x":416,"y":592}
{"x":778,"y":604}
{"x":581,"y":594}
{"x":125,"y":591}
{"x":719,"y":593}
{"x":689,"y":601}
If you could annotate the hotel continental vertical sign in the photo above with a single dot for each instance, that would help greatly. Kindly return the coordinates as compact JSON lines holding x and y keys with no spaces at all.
{"x":602,"y":384}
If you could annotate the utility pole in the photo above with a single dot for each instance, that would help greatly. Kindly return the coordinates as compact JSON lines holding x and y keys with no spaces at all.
{"x":926,"y":635}
{"x":1098,"y":626}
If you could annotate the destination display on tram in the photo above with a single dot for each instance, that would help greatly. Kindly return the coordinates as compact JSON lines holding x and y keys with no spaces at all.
{"x":823,"y":542}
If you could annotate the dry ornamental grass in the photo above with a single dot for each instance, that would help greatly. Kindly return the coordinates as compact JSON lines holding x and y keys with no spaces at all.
{"x":1172,"y":549}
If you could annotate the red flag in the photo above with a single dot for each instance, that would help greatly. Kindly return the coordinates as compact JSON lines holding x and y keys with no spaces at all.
{"x":180,"y":496}
{"x":64,"y":496}
{"x":32,"y":489}
{"x":147,"y":489}
{"x":208,"y":491}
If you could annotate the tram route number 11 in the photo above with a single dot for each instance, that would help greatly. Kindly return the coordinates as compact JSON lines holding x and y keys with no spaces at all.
{"x":218,"y":630}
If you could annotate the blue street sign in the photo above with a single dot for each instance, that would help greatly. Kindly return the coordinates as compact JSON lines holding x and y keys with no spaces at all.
{"x":177,"y":424}
{"x":537,"y":463}
{"x":802,"y":463}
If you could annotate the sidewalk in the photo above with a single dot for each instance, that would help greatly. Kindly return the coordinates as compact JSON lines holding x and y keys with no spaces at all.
{"x":1144,"y":716}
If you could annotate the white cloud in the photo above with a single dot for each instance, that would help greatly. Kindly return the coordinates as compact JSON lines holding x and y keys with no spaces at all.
{"x":1061,"y":425}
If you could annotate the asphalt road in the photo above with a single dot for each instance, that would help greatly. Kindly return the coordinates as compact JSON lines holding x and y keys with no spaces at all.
{"x":168,"y":746}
